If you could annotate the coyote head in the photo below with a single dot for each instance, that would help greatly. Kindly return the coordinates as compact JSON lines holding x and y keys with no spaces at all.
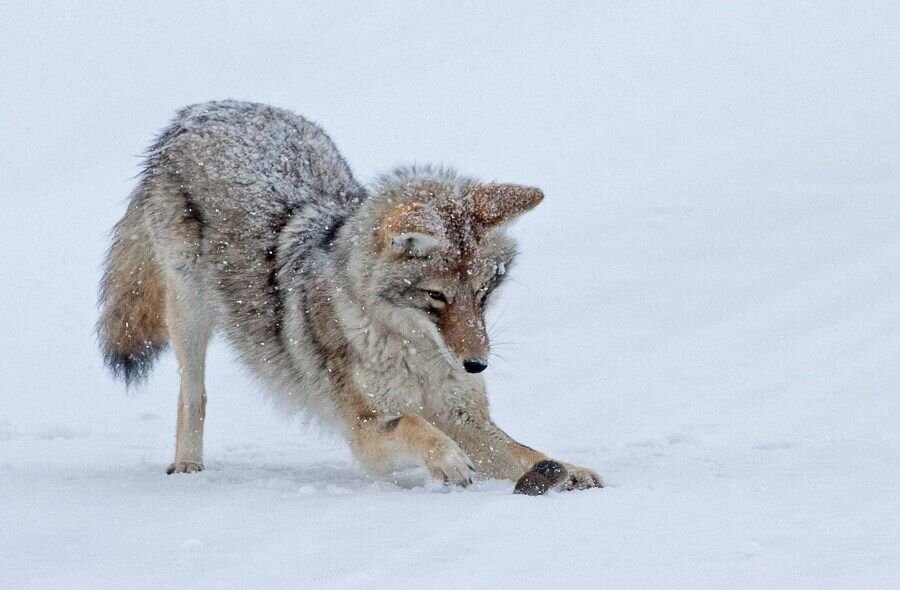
{"x":438,"y":251}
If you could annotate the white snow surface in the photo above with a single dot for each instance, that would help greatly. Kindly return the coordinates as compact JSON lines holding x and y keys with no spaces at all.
{"x":706,"y":309}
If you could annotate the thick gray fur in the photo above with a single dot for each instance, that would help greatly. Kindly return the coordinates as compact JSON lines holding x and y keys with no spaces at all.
{"x":360,"y":308}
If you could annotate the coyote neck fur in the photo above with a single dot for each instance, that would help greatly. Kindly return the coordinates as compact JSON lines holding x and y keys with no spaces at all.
{"x":408,"y":370}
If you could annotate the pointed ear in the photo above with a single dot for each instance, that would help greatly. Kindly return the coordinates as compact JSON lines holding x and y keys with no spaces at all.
{"x":411,"y":229}
{"x":499,"y":203}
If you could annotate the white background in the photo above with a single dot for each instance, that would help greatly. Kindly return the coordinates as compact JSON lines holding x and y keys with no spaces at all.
{"x":706,"y":308}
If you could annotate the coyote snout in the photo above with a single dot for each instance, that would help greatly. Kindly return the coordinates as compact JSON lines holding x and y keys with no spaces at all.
{"x":460,"y":327}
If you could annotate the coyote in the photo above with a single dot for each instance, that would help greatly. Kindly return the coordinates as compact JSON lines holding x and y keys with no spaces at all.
{"x":363,"y":307}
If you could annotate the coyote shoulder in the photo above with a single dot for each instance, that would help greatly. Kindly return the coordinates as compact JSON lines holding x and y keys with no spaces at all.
{"x":362,"y":306}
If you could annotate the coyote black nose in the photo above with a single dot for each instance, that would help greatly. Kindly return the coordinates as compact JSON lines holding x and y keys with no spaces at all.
{"x":475,"y":365}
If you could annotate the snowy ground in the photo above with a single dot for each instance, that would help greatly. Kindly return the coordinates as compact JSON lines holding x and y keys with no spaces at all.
{"x":707,"y":308}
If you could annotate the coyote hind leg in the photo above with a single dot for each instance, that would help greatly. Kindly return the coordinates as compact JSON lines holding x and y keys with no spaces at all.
{"x":190,"y":327}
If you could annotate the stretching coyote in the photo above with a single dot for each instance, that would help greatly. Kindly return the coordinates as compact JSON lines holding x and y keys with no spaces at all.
{"x":364,"y":308}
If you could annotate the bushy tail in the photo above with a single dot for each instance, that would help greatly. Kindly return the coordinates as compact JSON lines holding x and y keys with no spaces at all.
{"x":132,"y":326}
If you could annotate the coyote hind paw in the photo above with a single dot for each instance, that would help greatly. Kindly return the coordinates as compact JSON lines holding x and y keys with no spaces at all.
{"x":185,"y":467}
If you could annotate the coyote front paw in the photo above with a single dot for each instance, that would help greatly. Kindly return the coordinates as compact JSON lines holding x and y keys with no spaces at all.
{"x":581,"y":478}
{"x":557,"y":476}
{"x":448,"y":462}
{"x":185,"y":467}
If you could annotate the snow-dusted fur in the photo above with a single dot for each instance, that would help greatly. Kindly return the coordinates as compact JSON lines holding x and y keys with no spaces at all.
{"x":363,"y":309}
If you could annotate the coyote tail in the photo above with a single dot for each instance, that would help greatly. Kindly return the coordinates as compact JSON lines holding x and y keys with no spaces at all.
{"x":132,"y":327}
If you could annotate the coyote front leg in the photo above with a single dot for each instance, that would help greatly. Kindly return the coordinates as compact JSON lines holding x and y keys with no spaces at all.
{"x":383,"y":444}
{"x":497,"y":455}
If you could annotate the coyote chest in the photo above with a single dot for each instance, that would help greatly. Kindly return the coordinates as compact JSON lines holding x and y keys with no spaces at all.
{"x":399,"y":376}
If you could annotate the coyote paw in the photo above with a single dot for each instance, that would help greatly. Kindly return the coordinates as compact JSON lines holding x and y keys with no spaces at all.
{"x":581,"y":478}
{"x":557,"y":476}
{"x":449,"y":463}
{"x":185,"y":467}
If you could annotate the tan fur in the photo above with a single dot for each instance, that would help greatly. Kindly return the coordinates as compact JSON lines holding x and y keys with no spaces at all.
{"x":402,"y":218}
{"x":409,"y":440}
{"x":496,"y":203}
{"x":132,"y":326}
{"x":463,"y":328}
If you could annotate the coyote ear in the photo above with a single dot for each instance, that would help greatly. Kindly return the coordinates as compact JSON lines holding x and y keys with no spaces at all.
{"x":499,"y":203}
{"x":416,"y":244}
{"x":411,"y":229}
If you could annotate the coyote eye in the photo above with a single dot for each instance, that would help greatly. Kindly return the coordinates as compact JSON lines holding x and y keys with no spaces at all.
{"x":481,"y":296}
{"x":437,"y":296}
